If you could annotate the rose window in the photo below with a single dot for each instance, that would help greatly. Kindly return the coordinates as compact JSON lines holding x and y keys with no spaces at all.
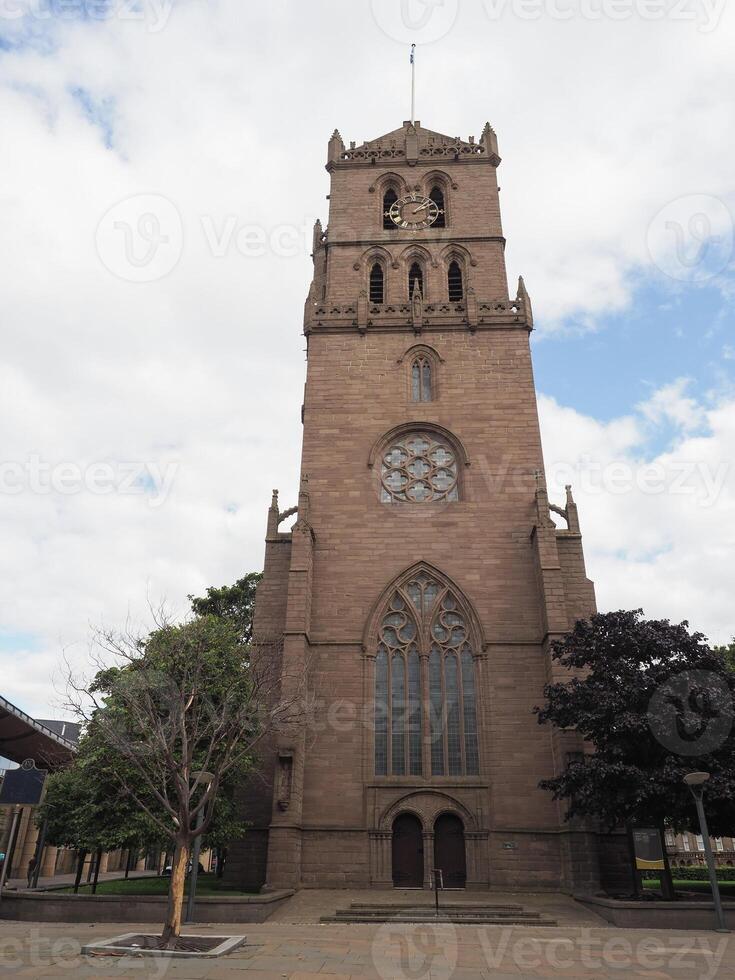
{"x":419,"y":468}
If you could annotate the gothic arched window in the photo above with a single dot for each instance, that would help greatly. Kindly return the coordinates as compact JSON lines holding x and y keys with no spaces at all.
{"x":415,"y":279}
{"x":437,"y":196}
{"x":377,"y":283}
{"x":389,"y":199}
{"x":419,"y":467}
{"x":422,"y":387}
{"x":424,"y":618}
{"x":454,"y":282}
{"x":398,"y":694}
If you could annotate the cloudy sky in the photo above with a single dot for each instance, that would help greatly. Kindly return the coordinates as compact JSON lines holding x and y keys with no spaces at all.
{"x":161,"y":166}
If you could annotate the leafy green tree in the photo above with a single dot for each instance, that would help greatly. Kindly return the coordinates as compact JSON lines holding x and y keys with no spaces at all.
{"x":179,"y":714}
{"x":653,"y":702}
{"x":232,"y":602}
{"x":728,"y":654}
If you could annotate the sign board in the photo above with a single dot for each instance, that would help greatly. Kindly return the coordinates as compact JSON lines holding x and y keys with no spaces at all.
{"x":649,"y":855}
{"x":23,"y":787}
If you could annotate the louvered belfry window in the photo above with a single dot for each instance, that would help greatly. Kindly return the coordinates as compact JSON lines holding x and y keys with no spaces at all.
{"x":389,"y":199}
{"x":437,"y":196}
{"x":415,"y":278}
{"x":377,"y":284}
{"x":454,"y":282}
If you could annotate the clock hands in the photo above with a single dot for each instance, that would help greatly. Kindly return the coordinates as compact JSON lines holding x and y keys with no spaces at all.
{"x":422,"y":207}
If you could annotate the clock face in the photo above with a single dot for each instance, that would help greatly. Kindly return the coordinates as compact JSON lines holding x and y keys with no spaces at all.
{"x":414,"y":212}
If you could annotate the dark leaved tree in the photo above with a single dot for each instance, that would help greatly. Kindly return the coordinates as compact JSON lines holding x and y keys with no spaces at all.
{"x":653,"y":702}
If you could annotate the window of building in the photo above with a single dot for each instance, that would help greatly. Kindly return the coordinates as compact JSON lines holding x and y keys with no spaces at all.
{"x":377,"y":283}
{"x":670,"y":840}
{"x":685,"y":841}
{"x":437,"y":196}
{"x":415,"y":279}
{"x":421,"y":379}
{"x":454,"y":282}
{"x":700,"y":842}
{"x":719,"y":845}
{"x":419,"y":467}
{"x":424,"y":617}
{"x":389,"y":199}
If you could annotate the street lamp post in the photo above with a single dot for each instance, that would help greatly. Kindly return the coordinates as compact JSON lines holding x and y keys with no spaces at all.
{"x":696,"y":782}
{"x":205,"y":778}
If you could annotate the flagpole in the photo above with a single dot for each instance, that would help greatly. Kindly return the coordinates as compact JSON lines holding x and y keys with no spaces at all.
{"x":413,"y":84}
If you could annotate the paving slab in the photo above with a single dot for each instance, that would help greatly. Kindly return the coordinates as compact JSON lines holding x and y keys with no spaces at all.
{"x":296,"y":951}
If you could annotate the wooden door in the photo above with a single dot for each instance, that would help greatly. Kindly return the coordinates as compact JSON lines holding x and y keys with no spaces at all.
{"x":449,"y":850}
{"x":408,"y":852}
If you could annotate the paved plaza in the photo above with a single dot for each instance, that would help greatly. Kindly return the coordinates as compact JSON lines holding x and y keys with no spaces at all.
{"x":293,"y":945}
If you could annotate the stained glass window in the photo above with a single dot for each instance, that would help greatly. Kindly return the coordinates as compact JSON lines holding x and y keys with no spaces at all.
{"x":424,"y":615}
{"x":437,"y":713}
{"x":381,"y":713}
{"x":419,"y":468}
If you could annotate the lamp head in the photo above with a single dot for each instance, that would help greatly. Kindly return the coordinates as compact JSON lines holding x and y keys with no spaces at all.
{"x":204,"y":777}
{"x":694,"y":779}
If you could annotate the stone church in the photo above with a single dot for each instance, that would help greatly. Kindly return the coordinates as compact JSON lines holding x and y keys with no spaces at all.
{"x":424,"y":578}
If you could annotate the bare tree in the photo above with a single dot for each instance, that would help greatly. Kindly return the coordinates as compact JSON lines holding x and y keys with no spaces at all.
{"x":182,"y":708}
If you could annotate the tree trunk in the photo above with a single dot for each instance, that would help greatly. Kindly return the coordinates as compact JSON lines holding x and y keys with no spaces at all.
{"x":80,"y":869}
{"x":97,"y":863}
{"x":172,"y":926}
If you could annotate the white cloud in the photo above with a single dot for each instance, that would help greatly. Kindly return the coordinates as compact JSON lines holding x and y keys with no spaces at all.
{"x":671,"y":404}
{"x":659,"y":528}
{"x":225,"y":108}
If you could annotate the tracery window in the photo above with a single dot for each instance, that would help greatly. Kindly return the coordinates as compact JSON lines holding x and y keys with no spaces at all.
{"x":422,"y":388}
{"x":424,"y":619}
{"x":415,"y":279}
{"x":419,"y":467}
{"x":454,"y":282}
{"x":437,"y":196}
{"x":389,"y":199}
{"x":377,"y":283}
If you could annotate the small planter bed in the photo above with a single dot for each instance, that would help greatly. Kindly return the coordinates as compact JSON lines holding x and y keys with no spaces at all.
{"x":184,"y":947}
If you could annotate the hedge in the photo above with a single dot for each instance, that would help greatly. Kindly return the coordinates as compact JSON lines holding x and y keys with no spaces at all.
{"x":692,"y":874}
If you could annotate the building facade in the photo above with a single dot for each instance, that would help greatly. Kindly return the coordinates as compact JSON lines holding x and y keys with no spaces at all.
{"x":686,"y":850}
{"x":426,"y":573}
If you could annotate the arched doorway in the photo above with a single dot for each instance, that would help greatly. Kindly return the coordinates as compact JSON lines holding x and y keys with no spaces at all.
{"x":449,"y":850}
{"x":408,"y":852}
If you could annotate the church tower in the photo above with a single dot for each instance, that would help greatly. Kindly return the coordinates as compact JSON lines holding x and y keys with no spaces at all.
{"x":424,"y":579}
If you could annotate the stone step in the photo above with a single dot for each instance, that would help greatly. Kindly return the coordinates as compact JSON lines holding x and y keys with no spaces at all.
{"x":446,"y":909}
{"x":429,"y":906}
{"x":466,"y":920}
